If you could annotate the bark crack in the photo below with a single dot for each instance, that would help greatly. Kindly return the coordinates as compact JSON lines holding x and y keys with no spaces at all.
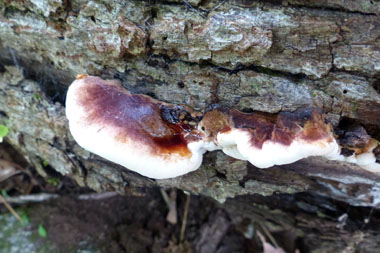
{"x":287,"y":4}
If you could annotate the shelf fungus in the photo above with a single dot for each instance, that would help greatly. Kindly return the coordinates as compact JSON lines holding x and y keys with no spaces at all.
{"x":161,"y":140}
{"x":266,"y":140}
{"x":153,"y":138}
{"x":358,"y":147}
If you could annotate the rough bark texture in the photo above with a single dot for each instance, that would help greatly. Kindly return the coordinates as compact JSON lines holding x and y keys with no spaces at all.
{"x":249,"y":55}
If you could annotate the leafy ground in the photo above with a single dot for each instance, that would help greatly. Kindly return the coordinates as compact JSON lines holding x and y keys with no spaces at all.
{"x":78,"y":220}
{"x":54,"y":214}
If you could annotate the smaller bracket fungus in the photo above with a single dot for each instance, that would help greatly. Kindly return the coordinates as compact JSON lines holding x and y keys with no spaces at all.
{"x":153,"y":138}
{"x":359,"y":148}
{"x":266,"y":140}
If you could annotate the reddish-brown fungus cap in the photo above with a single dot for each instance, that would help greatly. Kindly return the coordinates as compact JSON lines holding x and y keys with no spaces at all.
{"x":136,"y":131}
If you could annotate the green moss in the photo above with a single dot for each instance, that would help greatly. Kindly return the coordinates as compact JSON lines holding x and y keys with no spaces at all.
{"x":37,"y":97}
{"x":355,"y":107}
{"x":15,"y":237}
{"x":12,"y":9}
{"x":44,"y":163}
{"x":255,"y":86}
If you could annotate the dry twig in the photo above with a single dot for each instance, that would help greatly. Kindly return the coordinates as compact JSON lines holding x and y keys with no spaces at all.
{"x":10,"y":208}
{"x":184,"y":220}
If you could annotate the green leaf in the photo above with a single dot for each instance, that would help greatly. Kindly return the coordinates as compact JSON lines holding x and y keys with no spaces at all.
{"x":44,"y":163}
{"x":54,"y":181}
{"x":4,"y":193}
{"x":3,"y":132}
{"x":42,"y":231}
{"x":25,"y":219}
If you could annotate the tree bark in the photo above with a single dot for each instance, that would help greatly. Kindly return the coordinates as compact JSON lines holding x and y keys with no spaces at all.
{"x":250,"y":55}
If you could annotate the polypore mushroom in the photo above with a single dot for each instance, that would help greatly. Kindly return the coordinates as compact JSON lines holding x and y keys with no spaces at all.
{"x":161,"y":140}
{"x":156,"y":139}
{"x":358,"y":147}
{"x":365,"y":157}
{"x":266,"y":140}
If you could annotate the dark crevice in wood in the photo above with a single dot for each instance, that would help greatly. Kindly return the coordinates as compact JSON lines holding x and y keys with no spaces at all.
{"x":195,"y":9}
{"x":52,"y":81}
{"x":376,"y":86}
{"x":15,"y":154}
{"x":349,"y":123}
{"x":3,"y":114}
{"x":317,"y":8}
{"x":10,"y":10}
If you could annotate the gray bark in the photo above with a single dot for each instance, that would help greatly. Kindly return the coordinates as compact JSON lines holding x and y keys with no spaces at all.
{"x":248,"y":55}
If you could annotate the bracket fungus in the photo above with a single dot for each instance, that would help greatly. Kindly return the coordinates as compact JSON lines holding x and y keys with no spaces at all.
{"x":153,"y":138}
{"x":266,"y":140}
{"x":359,"y":148}
{"x":161,"y":140}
